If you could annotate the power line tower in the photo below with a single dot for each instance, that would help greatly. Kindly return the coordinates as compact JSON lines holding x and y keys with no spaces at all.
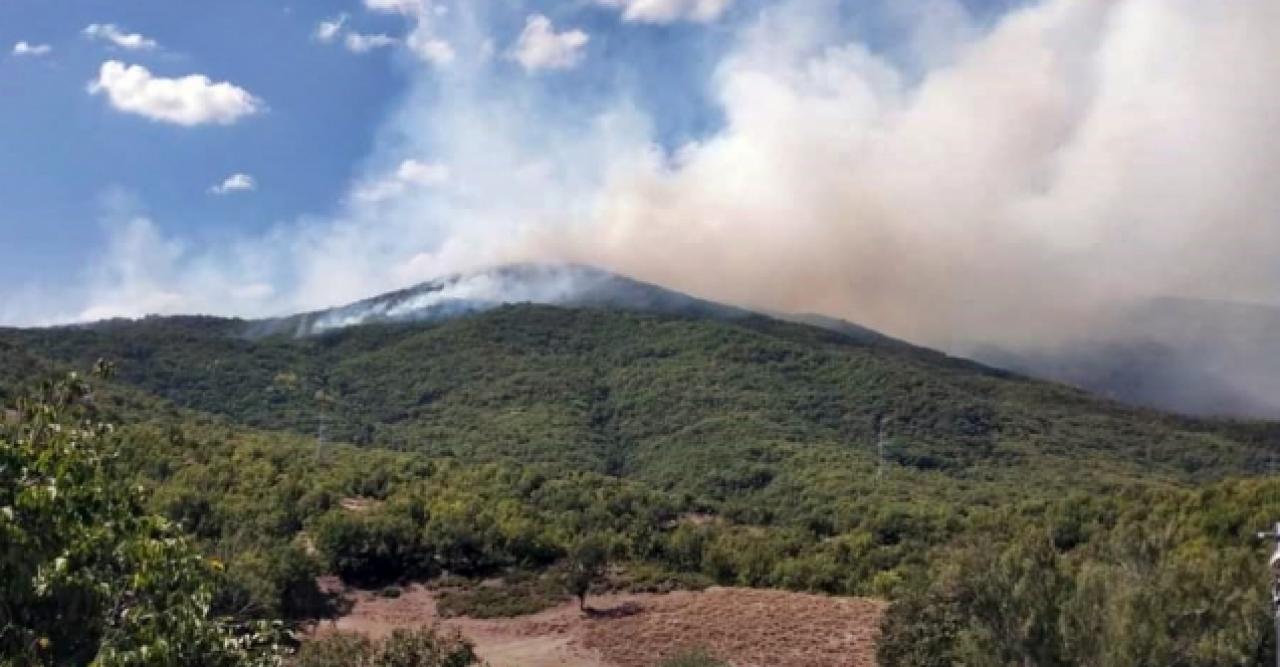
{"x":322,"y":421}
{"x":1273,"y":564}
{"x":882,"y":441}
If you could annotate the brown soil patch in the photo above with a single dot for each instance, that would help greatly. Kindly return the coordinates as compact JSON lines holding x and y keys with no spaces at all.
{"x":745,"y":627}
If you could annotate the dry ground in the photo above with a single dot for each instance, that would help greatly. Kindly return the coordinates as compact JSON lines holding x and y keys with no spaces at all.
{"x":745,"y":627}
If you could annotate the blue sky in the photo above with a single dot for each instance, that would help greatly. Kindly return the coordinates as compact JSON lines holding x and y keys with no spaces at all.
{"x":249,"y":157}
{"x":71,"y":166}
{"x":67,"y":155}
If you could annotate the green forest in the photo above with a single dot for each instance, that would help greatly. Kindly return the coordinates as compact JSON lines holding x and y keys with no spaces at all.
{"x":176,"y":506}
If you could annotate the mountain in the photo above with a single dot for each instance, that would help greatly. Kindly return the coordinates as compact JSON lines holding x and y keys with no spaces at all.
{"x":1195,"y":357}
{"x":632,"y":379}
{"x":569,"y":285}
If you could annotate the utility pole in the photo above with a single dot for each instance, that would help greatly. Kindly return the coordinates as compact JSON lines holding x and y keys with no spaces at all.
{"x":1274,"y":566}
{"x":880,"y":445}
{"x":323,"y":400}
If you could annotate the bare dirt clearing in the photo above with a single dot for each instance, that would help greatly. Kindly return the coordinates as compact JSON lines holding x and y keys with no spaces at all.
{"x":745,"y":627}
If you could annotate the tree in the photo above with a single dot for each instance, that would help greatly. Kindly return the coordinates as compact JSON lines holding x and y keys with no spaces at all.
{"x":86,"y":574}
{"x":587,"y":562}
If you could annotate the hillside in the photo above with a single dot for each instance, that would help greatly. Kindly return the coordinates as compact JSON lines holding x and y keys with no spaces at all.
{"x":705,"y":405}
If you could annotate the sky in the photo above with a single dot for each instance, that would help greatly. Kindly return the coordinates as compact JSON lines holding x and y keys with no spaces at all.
{"x":939,"y":169}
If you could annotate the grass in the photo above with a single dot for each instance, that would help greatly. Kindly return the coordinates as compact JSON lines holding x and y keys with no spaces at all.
{"x":517,"y":594}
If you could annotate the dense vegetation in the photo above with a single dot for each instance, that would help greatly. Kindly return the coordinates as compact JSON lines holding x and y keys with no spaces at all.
{"x":1167,"y":578}
{"x":1012,"y":521}
{"x":86,"y":574}
{"x":402,"y":648}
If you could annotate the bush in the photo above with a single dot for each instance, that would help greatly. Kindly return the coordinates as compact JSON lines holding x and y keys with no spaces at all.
{"x":341,"y":649}
{"x":696,"y":657}
{"x":372,"y":549}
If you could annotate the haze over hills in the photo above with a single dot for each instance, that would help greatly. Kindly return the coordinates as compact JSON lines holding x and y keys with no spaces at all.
{"x":1193,"y":356}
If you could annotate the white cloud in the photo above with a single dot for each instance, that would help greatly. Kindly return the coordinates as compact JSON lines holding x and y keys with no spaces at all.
{"x":235,"y":183}
{"x":422,"y":40}
{"x":541,"y":47}
{"x":189,"y":100}
{"x":327,"y":31}
{"x":410,"y":174}
{"x":358,"y":43}
{"x":33,"y":50}
{"x":355,"y":42}
{"x":668,"y":11}
{"x":111,"y":33}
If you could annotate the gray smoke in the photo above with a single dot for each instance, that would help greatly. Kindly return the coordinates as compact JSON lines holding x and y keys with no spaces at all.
{"x":1078,"y":155}
{"x":1020,"y":182}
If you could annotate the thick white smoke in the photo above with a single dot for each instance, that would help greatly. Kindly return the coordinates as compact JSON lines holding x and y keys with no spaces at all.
{"x":1078,"y":153}
{"x":1001,"y":181}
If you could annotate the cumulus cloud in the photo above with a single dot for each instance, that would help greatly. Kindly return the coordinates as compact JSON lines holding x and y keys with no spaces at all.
{"x":327,"y":31}
{"x":355,"y":42}
{"x":234,"y":183}
{"x":541,"y":47}
{"x":668,"y":11}
{"x":109,"y":32}
{"x":188,"y":100}
{"x":423,"y":39}
{"x":23,"y":48}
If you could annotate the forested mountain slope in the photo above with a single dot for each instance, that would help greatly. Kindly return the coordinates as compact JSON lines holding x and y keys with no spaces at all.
{"x":710,"y":406}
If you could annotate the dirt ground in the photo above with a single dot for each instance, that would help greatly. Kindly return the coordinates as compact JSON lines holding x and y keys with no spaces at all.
{"x":745,"y":627}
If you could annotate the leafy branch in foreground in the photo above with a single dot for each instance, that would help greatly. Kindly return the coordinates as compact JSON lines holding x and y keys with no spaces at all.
{"x":87,"y":576}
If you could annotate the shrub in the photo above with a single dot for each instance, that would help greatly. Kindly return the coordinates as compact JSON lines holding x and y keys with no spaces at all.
{"x":371,"y":549}
{"x":423,"y":647}
{"x":514,"y":596}
{"x":696,"y":657}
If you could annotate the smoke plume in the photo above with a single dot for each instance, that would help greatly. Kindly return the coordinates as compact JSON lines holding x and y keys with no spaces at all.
{"x":1015,"y":179}
{"x":1077,"y":155}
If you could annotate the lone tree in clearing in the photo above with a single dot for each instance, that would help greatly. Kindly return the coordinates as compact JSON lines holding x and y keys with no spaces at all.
{"x":588,"y":559}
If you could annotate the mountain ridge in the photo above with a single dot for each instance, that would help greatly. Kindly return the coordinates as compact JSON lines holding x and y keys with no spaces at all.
{"x":1193,"y":357}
